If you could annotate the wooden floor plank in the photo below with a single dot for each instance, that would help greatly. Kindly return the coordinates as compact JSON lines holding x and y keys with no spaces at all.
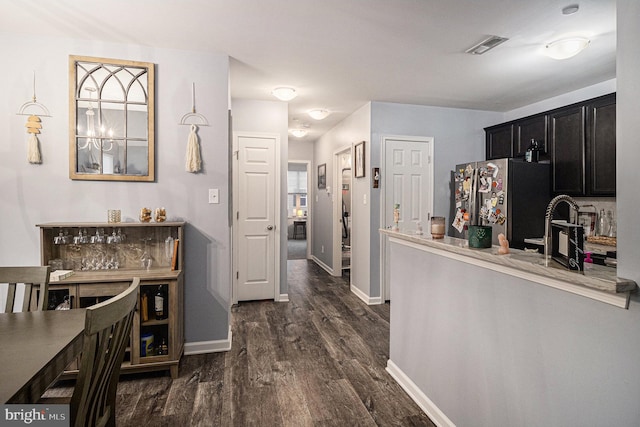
{"x":317,"y":360}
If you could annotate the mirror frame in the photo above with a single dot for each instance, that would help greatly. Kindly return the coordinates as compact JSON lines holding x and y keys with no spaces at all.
{"x":73,"y":89}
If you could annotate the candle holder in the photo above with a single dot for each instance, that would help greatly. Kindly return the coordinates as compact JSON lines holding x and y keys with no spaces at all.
{"x":113,"y":215}
{"x":437,"y":227}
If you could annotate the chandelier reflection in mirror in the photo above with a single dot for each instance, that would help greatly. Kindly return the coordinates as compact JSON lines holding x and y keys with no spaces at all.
{"x":93,"y":141}
{"x":112,"y":113}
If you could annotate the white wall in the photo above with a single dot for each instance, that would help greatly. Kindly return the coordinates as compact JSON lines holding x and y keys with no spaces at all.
{"x":269,"y":117}
{"x":33,"y":194}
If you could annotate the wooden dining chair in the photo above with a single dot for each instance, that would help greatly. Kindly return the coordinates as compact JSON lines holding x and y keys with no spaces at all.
{"x":36,"y":287}
{"x":106,"y":333}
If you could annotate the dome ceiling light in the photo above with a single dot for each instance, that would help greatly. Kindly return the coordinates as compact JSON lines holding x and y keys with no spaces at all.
{"x":566,"y":48}
{"x":284,"y":93}
{"x":298,"y":133}
{"x":319,"y":114}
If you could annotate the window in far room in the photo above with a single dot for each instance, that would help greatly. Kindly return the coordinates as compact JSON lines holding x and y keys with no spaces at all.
{"x":297,"y":193}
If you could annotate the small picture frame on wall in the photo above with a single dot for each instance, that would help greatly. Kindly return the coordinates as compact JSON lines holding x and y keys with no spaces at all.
{"x":322,"y":176}
{"x":359,"y":159}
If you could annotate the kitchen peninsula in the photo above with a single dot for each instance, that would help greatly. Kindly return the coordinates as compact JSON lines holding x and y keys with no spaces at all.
{"x":478,"y":338}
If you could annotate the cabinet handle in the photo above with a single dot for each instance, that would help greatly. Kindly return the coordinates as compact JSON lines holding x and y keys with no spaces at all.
{"x":270,"y":227}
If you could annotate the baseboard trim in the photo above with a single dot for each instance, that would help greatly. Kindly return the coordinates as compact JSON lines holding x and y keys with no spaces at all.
{"x":433,"y":412}
{"x":283,"y":298}
{"x":364,"y":297}
{"x":322,"y":265}
{"x":201,"y":347}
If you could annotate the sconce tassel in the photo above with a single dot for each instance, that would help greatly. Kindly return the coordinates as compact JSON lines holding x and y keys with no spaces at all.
{"x":194,"y":161}
{"x":33,"y":150}
{"x":33,"y":146}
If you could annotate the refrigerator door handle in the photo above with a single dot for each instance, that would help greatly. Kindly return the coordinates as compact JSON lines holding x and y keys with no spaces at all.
{"x":473,"y":204}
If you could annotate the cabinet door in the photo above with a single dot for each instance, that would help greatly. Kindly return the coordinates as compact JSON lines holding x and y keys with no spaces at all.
{"x":568,"y":150}
{"x":499,"y":142}
{"x":601,"y":146}
{"x":528,"y":129}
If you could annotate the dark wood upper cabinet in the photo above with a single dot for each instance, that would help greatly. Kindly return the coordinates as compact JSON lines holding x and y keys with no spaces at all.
{"x":568,"y":150}
{"x":531,"y":128}
{"x":601,"y":146}
{"x":579,"y":141}
{"x":499,"y":142}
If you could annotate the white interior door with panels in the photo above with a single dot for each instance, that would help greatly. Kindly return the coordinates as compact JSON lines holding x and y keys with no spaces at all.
{"x":407,"y":181}
{"x":256,"y":206}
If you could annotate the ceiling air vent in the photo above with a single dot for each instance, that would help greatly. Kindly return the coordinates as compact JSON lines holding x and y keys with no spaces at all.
{"x":486,"y":45}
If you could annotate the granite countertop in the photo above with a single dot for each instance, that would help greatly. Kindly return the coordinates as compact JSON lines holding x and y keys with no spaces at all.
{"x":595,"y":276}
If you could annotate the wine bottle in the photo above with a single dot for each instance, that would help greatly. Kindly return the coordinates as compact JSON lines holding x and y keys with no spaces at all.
{"x":144,"y":307}
{"x":159,"y":303}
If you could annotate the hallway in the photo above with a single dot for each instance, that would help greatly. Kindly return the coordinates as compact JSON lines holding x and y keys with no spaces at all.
{"x":317,"y":360}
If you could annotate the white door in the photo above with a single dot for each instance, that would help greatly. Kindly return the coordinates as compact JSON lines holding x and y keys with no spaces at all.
{"x":255,"y":218}
{"x":407,"y":181}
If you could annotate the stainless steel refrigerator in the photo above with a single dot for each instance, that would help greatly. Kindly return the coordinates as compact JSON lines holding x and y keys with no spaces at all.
{"x":510,"y":195}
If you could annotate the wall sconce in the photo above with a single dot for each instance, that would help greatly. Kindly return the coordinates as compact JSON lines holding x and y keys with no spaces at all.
{"x":284,"y":93}
{"x":319,"y":114}
{"x":566,"y":48}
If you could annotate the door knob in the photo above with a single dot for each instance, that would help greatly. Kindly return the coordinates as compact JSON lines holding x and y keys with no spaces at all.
{"x":270,"y":227}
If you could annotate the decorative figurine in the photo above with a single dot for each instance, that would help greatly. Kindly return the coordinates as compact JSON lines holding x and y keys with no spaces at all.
{"x":504,"y":244}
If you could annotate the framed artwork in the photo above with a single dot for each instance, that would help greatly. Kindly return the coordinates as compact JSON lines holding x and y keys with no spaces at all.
{"x":359,"y":162}
{"x":322,"y":176}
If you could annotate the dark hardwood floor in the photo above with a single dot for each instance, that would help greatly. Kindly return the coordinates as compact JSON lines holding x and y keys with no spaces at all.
{"x":318,"y":360}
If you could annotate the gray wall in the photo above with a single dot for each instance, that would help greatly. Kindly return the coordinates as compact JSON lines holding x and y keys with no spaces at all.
{"x":588,"y":92}
{"x":33,"y":194}
{"x":458,"y":137}
{"x":301,"y":150}
{"x":627,"y":147}
{"x":353,"y":129}
{"x":489,"y":349}
{"x":269,"y":117}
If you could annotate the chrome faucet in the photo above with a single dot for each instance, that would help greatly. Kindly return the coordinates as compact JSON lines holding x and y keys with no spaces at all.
{"x":549,"y":216}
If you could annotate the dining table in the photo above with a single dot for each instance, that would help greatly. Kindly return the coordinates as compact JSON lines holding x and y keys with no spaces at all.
{"x":35,"y":348}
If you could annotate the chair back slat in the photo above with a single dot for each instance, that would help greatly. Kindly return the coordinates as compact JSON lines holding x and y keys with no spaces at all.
{"x":107,"y":329}
{"x":31,"y":277}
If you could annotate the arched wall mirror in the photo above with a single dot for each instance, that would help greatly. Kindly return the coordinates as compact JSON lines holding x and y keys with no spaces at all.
{"x":111,"y":119}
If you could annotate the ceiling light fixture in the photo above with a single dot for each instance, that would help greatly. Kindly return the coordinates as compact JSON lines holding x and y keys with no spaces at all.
{"x":571,"y":9}
{"x":319,"y":114}
{"x":284,"y":93}
{"x":566,"y":48}
{"x":486,"y":45}
{"x":298,"y":133}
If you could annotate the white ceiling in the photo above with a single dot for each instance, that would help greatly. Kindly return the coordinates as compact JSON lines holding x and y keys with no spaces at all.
{"x":339,"y":54}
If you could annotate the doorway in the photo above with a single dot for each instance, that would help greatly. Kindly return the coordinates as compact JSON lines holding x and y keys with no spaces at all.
{"x":408,"y":182}
{"x":342,"y":212}
{"x":256,"y":217}
{"x":298,"y":212}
